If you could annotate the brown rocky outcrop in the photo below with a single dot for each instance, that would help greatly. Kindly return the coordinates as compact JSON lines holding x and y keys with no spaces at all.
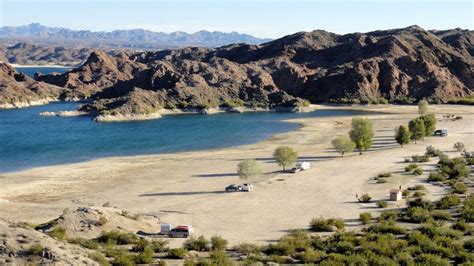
{"x":398,"y":65}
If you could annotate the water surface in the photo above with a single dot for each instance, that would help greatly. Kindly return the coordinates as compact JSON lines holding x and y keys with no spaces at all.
{"x":28,"y":139}
{"x":30,"y":71}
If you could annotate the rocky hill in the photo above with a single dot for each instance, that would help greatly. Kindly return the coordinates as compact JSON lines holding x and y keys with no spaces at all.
{"x":400,"y":65}
{"x":29,"y":54}
{"x":136,"y":38}
{"x":19,"y":90}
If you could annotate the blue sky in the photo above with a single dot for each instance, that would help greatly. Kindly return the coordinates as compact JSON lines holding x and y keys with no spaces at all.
{"x":263,"y":18}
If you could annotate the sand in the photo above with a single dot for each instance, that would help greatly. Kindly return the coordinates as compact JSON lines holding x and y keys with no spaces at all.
{"x":187,"y":188}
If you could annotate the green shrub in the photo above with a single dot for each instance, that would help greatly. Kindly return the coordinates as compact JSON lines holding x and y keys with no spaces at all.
{"x":453,"y":168}
{"x":417,"y":187}
{"x":380,"y":180}
{"x":391,"y":215}
{"x":431,"y":259}
{"x":386,"y":174}
{"x":145,"y":256}
{"x":122,"y":258}
{"x":417,"y":214}
{"x":411,"y":167}
{"x":419,"y":202}
{"x":86,"y":243}
{"x":418,"y":171}
{"x":469,"y":244}
{"x":382,"y":204}
{"x":441,"y":215}
{"x":436,"y":177}
{"x":99,"y":258}
{"x":419,"y":194}
{"x":448,"y":201}
{"x":58,"y":233}
{"x":247,"y":248}
{"x":326,"y":225}
{"x":420,"y":158}
{"x":36,"y":249}
{"x":459,"y":188}
{"x":462,"y":226}
{"x":385,"y":228}
{"x":365,"y":217}
{"x":219,"y":257}
{"x":120,"y":238}
{"x":432,"y":152}
{"x":159,"y":245}
{"x":365,"y":198}
{"x":198,"y":244}
{"x":218,"y":243}
{"x":177,"y":253}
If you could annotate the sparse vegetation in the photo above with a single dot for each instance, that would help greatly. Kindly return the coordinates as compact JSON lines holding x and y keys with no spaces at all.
{"x":459,"y":146}
{"x":285,"y":156}
{"x":199,"y":244}
{"x":177,"y":253}
{"x":365,"y":217}
{"x":362,"y":133}
{"x":364,"y":198}
{"x":326,"y":225}
{"x":58,"y":233}
{"x":382,"y":204}
{"x":36,"y":249}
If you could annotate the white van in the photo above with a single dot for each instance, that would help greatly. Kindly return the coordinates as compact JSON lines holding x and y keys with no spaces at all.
{"x":247,"y":187}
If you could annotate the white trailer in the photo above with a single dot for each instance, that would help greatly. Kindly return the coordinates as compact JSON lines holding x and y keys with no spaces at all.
{"x":303,"y":165}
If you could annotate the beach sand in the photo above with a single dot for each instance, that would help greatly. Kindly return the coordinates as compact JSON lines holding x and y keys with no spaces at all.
{"x":187,"y":188}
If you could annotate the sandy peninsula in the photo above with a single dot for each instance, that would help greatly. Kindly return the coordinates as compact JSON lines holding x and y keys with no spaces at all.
{"x":187,"y":187}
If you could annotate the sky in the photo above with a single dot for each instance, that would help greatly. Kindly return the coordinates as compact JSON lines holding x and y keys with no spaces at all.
{"x":262,"y":18}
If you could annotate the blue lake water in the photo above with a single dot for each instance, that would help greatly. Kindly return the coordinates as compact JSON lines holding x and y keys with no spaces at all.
{"x":28,"y":139}
{"x":30,"y":71}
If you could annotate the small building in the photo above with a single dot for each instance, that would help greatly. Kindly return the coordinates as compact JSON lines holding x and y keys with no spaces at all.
{"x":395,"y":194}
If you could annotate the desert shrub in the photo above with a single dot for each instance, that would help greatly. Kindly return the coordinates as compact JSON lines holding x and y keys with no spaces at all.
{"x":36,"y":249}
{"x":140,"y":245}
{"x":310,"y":256}
{"x":391,"y":215}
{"x":420,"y":158}
{"x":405,"y":193}
{"x":411,"y":167}
{"x":86,"y":243}
{"x":418,"y":171}
{"x":58,"y":233}
{"x":99,"y":258}
{"x":436,"y":177}
{"x":380,"y":180}
{"x":417,"y":187}
{"x":419,"y":202}
{"x":469,"y":244}
{"x":219,"y":257}
{"x":441,"y":215}
{"x":326,"y":225}
{"x":454,"y":168}
{"x":365,"y":198}
{"x":431,"y":259}
{"x":459,"y":146}
{"x":382,"y":204}
{"x":365,"y":217}
{"x":469,"y":161}
{"x":177,"y":253}
{"x":459,"y":188}
{"x":198,"y":244}
{"x":419,"y":194}
{"x":432,"y":231}
{"x":432,"y":152}
{"x":386,"y":174}
{"x":122,"y":258}
{"x":462,"y":226}
{"x":247,"y":248}
{"x":120,"y":238}
{"x":385,"y":228}
{"x":417,"y":215}
{"x":218,"y":243}
{"x":102,"y":220}
{"x":464,"y":258}
{"x":145,"y":256}
{"x":159,"y":245}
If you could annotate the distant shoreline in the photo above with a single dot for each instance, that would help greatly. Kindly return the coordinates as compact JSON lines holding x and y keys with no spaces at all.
{"x":41,"y":66}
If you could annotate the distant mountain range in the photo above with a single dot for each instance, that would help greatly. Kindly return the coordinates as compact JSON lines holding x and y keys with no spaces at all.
{"x":135,"y":39}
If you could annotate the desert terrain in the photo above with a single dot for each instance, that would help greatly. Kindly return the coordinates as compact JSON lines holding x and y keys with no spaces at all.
{"x":188,"y":187}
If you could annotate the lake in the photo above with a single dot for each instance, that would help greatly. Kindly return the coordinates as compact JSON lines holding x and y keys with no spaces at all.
{"x":29,"y":140}
{"x":30,"y":71}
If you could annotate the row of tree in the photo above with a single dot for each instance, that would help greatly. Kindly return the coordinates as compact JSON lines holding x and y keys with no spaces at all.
{"x":285,"y":156}
{"x":417,"y":129}
{"x":360,"y":137}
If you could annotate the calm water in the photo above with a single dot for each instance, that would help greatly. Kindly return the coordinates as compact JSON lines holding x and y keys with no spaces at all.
{"x":28,"y":139}
{"x":30,"y":71}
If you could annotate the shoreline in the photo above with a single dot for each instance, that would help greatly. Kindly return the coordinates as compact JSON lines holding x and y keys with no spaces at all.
{"x":43,"y":66}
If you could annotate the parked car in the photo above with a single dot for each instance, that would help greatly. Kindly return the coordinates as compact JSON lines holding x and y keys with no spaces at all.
{"x":294,"y":170}
{"x":300,"y":166}
{"x":233,"y":188}
{"x":181,"y":231}
{"x":247,"y":187}
{"x":441,"y":132}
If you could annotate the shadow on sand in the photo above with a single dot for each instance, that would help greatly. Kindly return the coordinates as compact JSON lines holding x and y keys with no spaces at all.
{"x":186,"y":193}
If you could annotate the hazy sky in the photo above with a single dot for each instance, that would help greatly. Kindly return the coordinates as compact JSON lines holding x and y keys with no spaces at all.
{"x":263,"y":18}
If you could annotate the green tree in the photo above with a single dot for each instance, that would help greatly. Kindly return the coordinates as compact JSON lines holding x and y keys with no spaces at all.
{"x":402,"y":135}
{"x":285,"y":156}
{"x":422,"y":106}
{"x":248,"y":169}
{"x":343,"y":144}
{"x":362,"y":133}
{"x":417,"y":129}
{"x":430,"y":123}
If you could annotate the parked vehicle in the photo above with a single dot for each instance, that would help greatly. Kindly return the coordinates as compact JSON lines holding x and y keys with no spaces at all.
{"x":300,"y":166}
{"x":441,"y":132}
{"x":181,"y":231}
{"x":233,"y":188}
{"x":247,"y":187}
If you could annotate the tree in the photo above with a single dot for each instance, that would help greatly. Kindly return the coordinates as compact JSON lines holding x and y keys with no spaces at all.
{"x":343,"y":144}
{"x":402,"y":135}
{"x":285,"y":156}
{"x":248,"y":169}
{"x":422,"y":106}
{"x":362,"y":133}
{"x":430,"y":123}
{"x":417,"y":129}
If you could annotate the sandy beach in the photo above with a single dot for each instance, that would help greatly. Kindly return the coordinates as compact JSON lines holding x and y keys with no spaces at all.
{"x":187,"y":188}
